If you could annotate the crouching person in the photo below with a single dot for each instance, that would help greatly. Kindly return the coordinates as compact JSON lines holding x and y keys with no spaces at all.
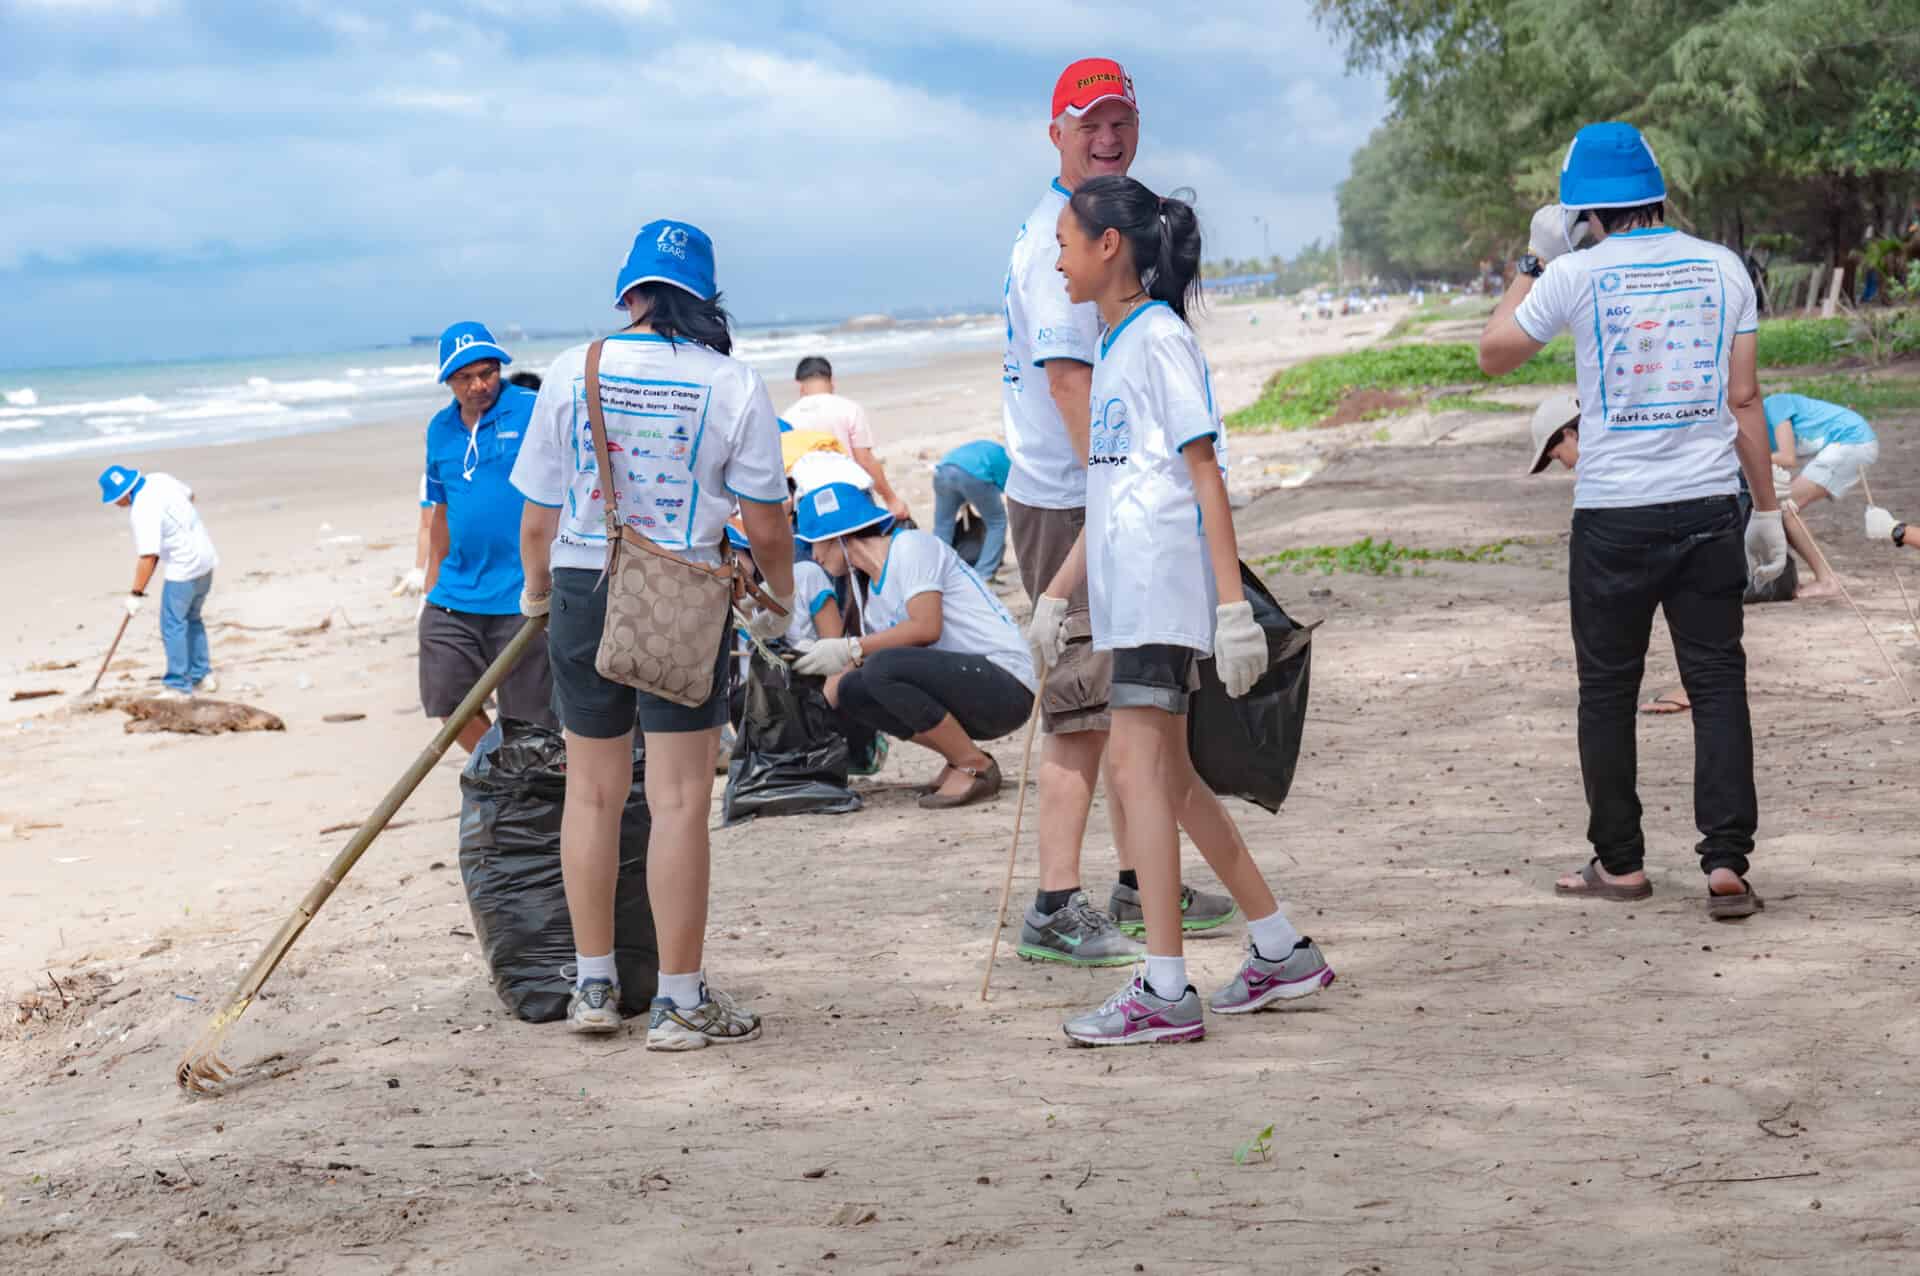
{"x":940,"y":662}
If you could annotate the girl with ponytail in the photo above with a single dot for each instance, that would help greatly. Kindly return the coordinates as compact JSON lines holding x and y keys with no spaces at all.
{"x":1162,"y":566}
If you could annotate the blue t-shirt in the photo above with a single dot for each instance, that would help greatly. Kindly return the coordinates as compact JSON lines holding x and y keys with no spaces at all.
{"x":1816,"y":422}
{"x":468,"y":472}
{"x":984,"y":460}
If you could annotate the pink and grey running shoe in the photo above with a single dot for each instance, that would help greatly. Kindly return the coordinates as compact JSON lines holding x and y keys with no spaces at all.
{"x":1301,"y":973}
{"x":1137,"y":1016}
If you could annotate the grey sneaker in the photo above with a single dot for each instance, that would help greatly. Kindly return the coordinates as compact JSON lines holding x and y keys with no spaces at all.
{"x":1079,"y":934}
{"x":715,"y":1021}
{"x":594,"y":1006}
{"x":1199,"y":910}
{"x":1138,"y":1016}
{"x":1301,"y":973}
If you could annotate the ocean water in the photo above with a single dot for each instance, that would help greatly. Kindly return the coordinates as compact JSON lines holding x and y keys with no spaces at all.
{"x":55,"y":412}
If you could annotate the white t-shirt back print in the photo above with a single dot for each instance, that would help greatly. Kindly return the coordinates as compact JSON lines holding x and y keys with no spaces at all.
{"x":689,"y":432}
{"x":1042,"y":325}
{"x":1652,"y":314}
{"x":1149,"y":579}
{"x":972,"y":621}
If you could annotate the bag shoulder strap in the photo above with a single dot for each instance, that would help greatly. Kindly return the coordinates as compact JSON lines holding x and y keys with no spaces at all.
{"x":597,"y":422}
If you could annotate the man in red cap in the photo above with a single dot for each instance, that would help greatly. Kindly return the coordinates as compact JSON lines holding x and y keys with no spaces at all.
{"x":1047,"y":381}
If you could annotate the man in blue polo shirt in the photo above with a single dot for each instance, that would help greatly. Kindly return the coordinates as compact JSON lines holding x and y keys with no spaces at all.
{"x":473,"y":554}
{"x":974,"y":474}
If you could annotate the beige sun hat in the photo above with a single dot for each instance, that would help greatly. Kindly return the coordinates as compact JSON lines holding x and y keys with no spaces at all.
{"x":1555,"y":413}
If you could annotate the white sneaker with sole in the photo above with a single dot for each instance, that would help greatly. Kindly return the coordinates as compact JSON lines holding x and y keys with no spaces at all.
{"x":594,"y":1006}
{"x":715,"y":1021}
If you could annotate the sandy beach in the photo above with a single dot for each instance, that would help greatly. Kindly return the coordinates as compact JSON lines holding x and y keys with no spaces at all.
{"x":1500,"y":1082}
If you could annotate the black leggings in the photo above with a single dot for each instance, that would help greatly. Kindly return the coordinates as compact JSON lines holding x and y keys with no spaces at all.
{"x":906,"y":691}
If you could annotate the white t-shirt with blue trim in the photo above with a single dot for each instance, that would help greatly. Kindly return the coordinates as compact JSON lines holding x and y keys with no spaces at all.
{"x":1653,"y":314}
{"x":812,"y":590}
{"x":1149,"y":579}
{"x":690,"y":433}
{"x":1042,"y":325}
{"x":972,"y":621}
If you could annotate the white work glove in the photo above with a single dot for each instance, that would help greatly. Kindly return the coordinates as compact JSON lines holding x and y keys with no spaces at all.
{"x":134,"y":604}
{"x":413,"y":582}
{"x":1047,"y":631}
{"x":1766,"y":547}
{"x":766,"y":624}
{"x":1239,"y":647}
{"x":1547,"y":237}
{"x":1879,"y":524}
{"x":1782,"y":482}
{"x":533,"y":605}
{"x":829,"y":656}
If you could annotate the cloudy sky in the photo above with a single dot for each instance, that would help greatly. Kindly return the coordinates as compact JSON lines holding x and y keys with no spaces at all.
{"x":200,"y":177}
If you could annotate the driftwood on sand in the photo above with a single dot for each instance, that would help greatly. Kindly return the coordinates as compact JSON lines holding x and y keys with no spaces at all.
{"x":198,"y":716}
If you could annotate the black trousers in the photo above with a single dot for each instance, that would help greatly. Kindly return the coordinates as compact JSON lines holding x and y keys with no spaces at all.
{"x":906,"y":691}
{"x":1688,"y":559}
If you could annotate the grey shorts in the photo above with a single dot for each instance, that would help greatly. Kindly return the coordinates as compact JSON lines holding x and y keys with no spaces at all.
{"x":455,"y":649}
{"x":1156,"y":676}
{"x":597,"y":707}
{"x":1074,"y":696}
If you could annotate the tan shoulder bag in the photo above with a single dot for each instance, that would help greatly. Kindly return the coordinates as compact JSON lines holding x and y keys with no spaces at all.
{"x":666,"y":616}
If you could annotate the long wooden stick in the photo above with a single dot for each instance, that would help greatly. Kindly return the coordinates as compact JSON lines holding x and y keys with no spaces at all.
{"x":199,"y":1069}
{"x":1893,"y":565}
{"x":112,"y":647}
{"x":1013,"y":848}
{"x":1864,"y":622}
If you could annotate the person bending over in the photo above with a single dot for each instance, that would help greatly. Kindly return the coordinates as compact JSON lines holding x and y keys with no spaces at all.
{"x":940,"y":662}
{"x":974,"y":474}
{"x":1837,"y":444}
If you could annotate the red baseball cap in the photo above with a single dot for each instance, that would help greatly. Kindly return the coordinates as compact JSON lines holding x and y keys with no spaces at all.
{"x":1089,"y":82}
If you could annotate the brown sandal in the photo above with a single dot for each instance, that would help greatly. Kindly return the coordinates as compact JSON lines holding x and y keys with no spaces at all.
{"x":986,"y":783}
{"x":1598,"y":887}
{"x":1722,"y":908}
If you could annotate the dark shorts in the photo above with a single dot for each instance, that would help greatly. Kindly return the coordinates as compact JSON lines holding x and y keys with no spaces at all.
{"x":1156,"y":676}
{"x":1074,"y":696}
{"x":596,"y":707}
{"x":455,"y":649}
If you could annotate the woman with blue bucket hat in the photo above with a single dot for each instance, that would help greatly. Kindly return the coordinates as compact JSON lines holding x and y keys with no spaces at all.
{"x":690,"y":433}
{"x":1664,"y":334}
{"x":936,"y":659}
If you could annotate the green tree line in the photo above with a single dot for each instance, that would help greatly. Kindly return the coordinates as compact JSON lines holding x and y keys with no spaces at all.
{"x":1793,"y":124}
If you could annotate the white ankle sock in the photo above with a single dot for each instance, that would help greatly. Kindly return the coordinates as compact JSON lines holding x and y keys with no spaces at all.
{"x":594,"y":968}
{"x":1273,"y":937}
{"x":1167,"y":976}
{"x":684,"y":991}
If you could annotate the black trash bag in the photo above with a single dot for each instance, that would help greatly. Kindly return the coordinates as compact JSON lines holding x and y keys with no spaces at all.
{"x":1248,"y":748}
{"x":790,"y":753}
{"x":969,"y":535}
{"x":512,"y":793}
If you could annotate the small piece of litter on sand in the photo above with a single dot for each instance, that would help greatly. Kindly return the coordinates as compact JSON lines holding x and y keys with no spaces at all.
{"x":343,"y":717}
{"x":34,"y":695}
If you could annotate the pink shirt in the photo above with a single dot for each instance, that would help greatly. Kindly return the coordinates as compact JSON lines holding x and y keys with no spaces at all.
{"x":840,"y":417}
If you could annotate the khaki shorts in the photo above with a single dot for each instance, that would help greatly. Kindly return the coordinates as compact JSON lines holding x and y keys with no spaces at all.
{"x":1074,"y":697}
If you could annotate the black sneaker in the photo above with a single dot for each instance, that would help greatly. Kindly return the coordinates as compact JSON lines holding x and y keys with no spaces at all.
{"x":1079,"y":935}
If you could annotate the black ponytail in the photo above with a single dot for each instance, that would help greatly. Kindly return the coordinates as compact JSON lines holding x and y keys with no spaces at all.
{"x":1162,"y":234}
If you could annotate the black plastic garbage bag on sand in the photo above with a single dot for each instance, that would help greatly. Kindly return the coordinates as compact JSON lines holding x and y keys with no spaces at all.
{"x":1247,"y":748}
{"x":512,"y":793}
{"x":790,"y":752}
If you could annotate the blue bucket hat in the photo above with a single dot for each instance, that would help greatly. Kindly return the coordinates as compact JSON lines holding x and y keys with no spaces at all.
{"x":1610,"y":166}
{"x":838,"y":509}
{"x":668,"y":252}
{"x":464,"y":343}
{"x":117,"y":481}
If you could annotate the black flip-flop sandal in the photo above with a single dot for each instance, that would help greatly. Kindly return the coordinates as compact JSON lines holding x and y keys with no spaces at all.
{"x":1673,"y":706}
{"x":1598,"y":887}
{"x":1724,"y":908}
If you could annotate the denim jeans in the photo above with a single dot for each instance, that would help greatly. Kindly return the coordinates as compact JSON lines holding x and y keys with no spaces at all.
{"x":1687,"y":558}
{"x":953,"y":487}
{"x":183,"y":633}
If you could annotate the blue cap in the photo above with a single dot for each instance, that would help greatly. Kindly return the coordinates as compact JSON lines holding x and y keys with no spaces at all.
{"x":116,"y":481}
{"x":1610,"y":166}
{"x":738,"y":539}
{"x":668,"y":252}
{"x":464,"y":343}
{"x":837,"y":509}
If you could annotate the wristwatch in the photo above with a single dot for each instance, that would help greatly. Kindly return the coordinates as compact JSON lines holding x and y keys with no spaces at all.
{"x":1900,"y":534}
{"x":1530,"y":265}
